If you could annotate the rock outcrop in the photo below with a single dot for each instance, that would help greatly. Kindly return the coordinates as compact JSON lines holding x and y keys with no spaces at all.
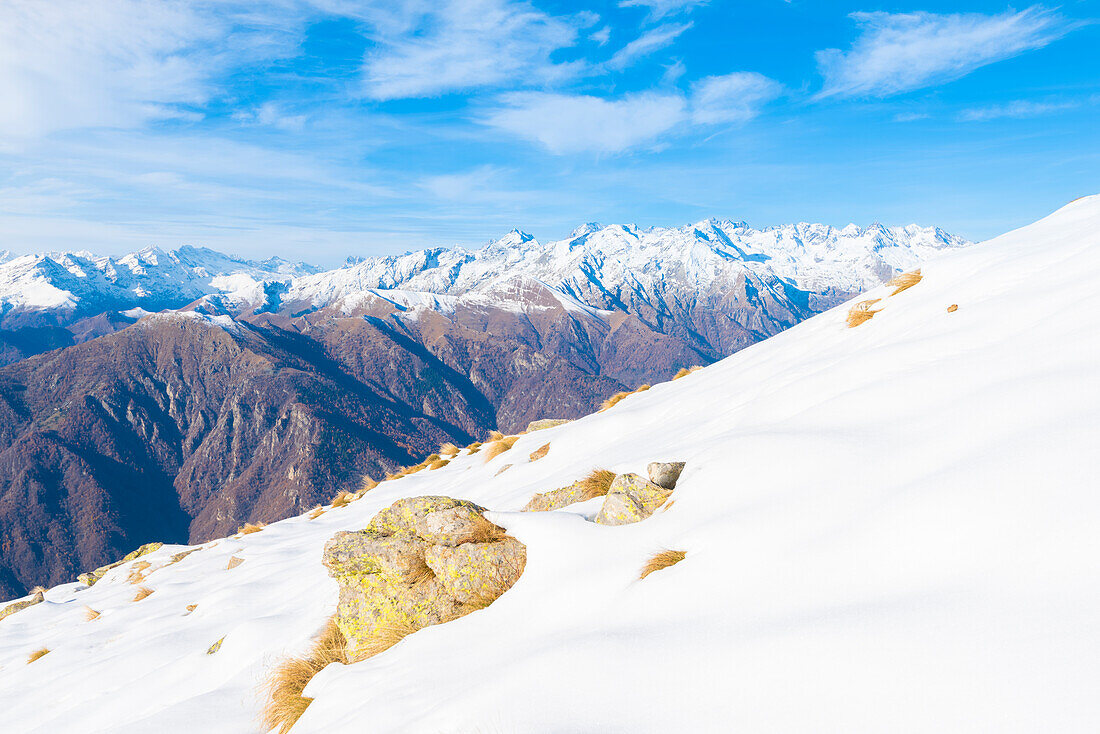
{"x":422,"y":561}
{"x":665,"y":473}
{"x":630,"y":499}
{"x":19,"y":606}
{"x":544,"y":423}
{"x":556,"y":499}
{"x":91,"y":577}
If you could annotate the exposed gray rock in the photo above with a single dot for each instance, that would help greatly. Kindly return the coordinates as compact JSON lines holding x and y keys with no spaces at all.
{"x":665,"y":473}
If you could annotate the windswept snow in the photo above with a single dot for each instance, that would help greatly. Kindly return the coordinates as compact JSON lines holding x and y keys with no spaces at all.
{"x":888,"y":528}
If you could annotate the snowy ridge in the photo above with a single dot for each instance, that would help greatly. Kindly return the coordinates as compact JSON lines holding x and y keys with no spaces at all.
{"x":150,"y":277}
{"x":597,"y":267}
{"x":628,"y":264}
{"x":888,"y":528}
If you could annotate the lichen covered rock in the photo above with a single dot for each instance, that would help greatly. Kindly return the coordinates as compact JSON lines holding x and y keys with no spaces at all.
{"x":665,"y":473}
{"x":556,"y":499}
{"x":631,"y":498}
{"x":91,"y":577}
{"x":422,"y":561}
{"x":545,"y":423}
{"x":19,"y":606}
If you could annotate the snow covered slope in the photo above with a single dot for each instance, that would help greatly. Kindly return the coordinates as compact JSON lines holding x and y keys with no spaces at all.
{"x":888,"y":528}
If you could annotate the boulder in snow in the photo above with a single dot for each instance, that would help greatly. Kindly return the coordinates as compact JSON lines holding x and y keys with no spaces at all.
{"x":630,"y":499}
{"x":19,"y":606}
{"x":422,"y":561}
{"x":545,"y":423}
{"x":665,"y":473}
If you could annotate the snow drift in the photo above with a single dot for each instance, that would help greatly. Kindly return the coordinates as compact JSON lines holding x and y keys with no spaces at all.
{"x":890,"y":527}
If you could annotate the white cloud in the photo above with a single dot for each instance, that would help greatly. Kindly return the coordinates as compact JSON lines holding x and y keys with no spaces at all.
{"x":1015,"y":109}
{"x":122,"y":63}
{"x":650,"y":41}
{"x":735,"y":97}
{"x":900,"y":52}
{"x":431,"y":48}
{"x":602,"y":36}
{"x":579,"y":123}
{"x":564,"y":123}
{"x":661,"y":8}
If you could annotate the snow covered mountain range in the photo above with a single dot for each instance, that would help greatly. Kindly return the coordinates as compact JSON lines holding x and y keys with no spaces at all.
{"x":882,"y":527}
{"x":655,"y":272}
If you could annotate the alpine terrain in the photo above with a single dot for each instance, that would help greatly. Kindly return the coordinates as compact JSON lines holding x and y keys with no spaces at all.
{"x":881,"y":519}
{"x":189,"y":392}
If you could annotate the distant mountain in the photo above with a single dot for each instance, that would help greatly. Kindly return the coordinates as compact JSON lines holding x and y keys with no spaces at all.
{"x":265,"y":387}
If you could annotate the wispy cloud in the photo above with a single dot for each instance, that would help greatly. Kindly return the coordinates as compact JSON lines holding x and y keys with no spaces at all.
{"x":564,"y":123}
{"x":427,"y":49}
{"x":68,"y":64}
{"x":735,"y":97}
{"x":661,"y":8}
{"x":652,"y":40}
{"x":897,"y":53}
{"x":1016,"y":109}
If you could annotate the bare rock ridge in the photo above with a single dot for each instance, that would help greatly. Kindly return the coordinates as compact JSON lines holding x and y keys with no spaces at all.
{"x":420,"y":562}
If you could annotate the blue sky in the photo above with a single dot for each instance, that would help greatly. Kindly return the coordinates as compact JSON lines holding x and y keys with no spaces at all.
{"x":317,"y":129}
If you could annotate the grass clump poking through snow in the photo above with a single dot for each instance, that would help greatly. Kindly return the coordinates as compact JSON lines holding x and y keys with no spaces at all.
{"x":661,"y":560}
{"x":499,"y":446}
{"x":90,"y":614}
{"x":37,"y":654}
{"x":615,"y":399}
{"x":861,"y":312}
{"x":685,"y":371}
{"x":438,"y":464}
{"x":142,"y":592}
{"x":474,"y":447}
{"x":250,"y":528}
{"x":316,"y":512}
{"x":905,"y":281}
{"x":285,"y":704}
{"x":595,"y":484}
{"x":341,"y":499}
{"x":366,"y":484}
{"x":448,"y":449}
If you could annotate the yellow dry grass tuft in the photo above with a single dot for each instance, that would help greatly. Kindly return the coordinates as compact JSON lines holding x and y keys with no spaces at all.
{"x":383,"y":638}
{"x":366,"y":484}
{"x":137,"y":572}
{"x":191,"y":608}
{"x":342,"y":499}
{"x":615,"y":399}
{"x":438,"y":464}
{"x":39,"y":590}
{"x":316,"y":512}
{"x":596,"y":484}
{"x":861,"y":312}
{"x":448,"y":449}
{"x":420,"y":573}
{"x":495,"y":435}
{"x":660,"y":560}
{"x":37,"y":654}
{"x":540,"y":452}
{"x":90,"y":614}
{"x":499,"y":446}
{"x":250,"y":528}
{"x":142,"y":592}
{"x":285,"y":704}
{"x":233,"y":563}
{"x":685,"y":371}
{"x":953,"y":308}
{"x":905,"y":281}
{"x":474,"y":447}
